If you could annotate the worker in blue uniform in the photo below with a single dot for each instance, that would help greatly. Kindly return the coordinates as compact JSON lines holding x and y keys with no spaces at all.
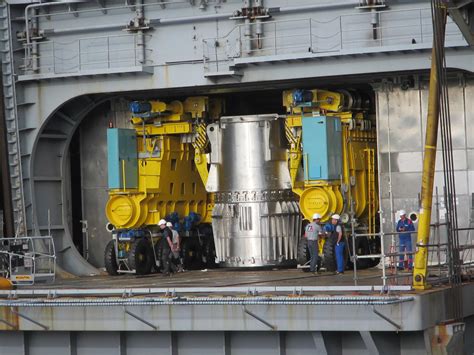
{"x":405,"y":224}
{"x":334,"y":229}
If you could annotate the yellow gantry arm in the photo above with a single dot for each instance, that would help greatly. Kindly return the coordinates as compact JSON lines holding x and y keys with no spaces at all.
{"x":200,"y":158}
{"x":429,"y":163}
{"x":295,"y":154}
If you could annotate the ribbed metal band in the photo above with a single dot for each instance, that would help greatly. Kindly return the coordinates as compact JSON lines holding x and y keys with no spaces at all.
{"x":255,"y":196}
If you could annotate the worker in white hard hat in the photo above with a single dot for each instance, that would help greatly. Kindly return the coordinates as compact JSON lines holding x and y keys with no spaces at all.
{"x":334,"y":231}
{"x":312,"y":232}
{"x":166,"y":246}
{"x":177,"y":262}
{"x":405,"y":224}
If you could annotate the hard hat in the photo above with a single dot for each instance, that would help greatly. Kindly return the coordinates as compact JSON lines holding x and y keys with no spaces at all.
{"x":161,"y":222}
{"x":169,"y":224}
{"x":402,"y":213}
{"x":316,"y":216}
{"x":336,"y":216}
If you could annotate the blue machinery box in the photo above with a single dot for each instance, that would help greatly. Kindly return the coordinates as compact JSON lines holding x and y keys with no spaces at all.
{"x":122,"y":158}
{"x":322,"y":148}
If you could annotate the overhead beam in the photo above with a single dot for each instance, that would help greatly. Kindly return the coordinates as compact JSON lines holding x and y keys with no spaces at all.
{"x":462,"y":13}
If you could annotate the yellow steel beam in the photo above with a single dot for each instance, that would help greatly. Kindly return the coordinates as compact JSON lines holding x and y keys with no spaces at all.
{"x":429,"y":163}
{"x":166,"y":128}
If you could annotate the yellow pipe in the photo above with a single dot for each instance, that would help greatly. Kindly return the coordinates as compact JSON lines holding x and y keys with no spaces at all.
{"x":5,"y":284}
{"x":427,"y":182}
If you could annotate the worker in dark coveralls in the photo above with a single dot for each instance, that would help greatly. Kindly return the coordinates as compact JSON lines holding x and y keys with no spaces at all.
{"x":405,"y":224}
{"x":176,"y":263}
{"x":166,"y":246}
{"x":312,"y":232}
{"x":334,"y":230}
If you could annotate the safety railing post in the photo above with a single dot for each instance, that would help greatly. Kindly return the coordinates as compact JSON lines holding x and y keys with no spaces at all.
{"x":54,"y":57}
{"x":204,"y":55}
{"x":340,"y":32}
{"x":134,"y":47}
{"x":380,"y":28}
{"x":108,"y":53}
{"x":382,"y":251}
{"x":79,"y":55}
{"x":216,"y":55}
{"x":354,"y":251}
{"x":421,"y":26}
{"x":240,"y":41}
{"x":310,"y":36}
{"x":275,"y":36}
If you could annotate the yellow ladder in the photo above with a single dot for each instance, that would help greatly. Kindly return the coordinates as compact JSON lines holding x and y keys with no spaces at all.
{"x":371,"y":188}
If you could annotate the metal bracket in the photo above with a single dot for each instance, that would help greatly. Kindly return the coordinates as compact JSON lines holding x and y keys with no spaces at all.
{"x":29,"y":319}
{"x":72,"y":7}
{"x":102,"y":5}
{"x":384,"y":317}
{"x":252,"y":292}
{"x":127,"y":293}
{"x":385,"y":290}
{"x":11,"y":325}
{"x":131,"y":3}
{"x":298,"y":292}
{"x":169,"y":293}
{"x":141,"y":319}
{"x":271,"y":326}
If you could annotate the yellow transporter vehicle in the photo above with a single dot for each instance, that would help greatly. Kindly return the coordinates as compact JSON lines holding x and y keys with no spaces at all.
{"x":154,"y":172}
{"x":332,"y":162}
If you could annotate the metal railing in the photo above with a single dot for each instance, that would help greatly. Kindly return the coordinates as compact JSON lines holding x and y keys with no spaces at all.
{"x":28,"y":259}
{"x":345,"y":33}
{"x":439,"y":266}
{"x":84,"y":54}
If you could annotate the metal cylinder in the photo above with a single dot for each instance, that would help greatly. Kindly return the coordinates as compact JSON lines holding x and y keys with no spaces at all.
{"x":256,"y":219}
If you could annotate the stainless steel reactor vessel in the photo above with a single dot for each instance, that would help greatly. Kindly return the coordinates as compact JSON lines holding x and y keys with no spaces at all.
{"x":256,"y":219}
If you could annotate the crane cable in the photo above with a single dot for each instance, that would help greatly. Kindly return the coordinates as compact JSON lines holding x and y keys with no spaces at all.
{"x":439,"y":18}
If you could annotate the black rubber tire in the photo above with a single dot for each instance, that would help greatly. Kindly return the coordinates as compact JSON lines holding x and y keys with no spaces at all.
{"x":110,"y":259}
{"x":140,"y":257}
{"x":302,"y":254}
{"x":209,"y":251}
{"x":329,"y":254}
{"x":374,"y":244}
{"x":373,"y":262}
{"x":362,"y":248}
{"x":159,"y":256}
{"x":192,"y":253}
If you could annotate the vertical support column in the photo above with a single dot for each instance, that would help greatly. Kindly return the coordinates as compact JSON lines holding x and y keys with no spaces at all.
{"x":429,"y":163}
{"x":122,"y":343}
{"x":226,"y":343}
{"x":319,"y":343}
{"x":11,"y":120}
{"x":73,"y":343}
{"x":140,"y":35}
{"x":5,"y":171}
{"x":369,"y":343}
{"x":173,"y":343}
{"x":281,"y":343}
